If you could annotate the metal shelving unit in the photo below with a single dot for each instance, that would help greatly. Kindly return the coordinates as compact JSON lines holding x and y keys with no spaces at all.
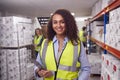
{"x":104,"y":16}
{"x":110,"y":7}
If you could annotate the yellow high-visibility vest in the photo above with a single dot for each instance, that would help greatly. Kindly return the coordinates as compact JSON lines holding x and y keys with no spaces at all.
{"x":82,"y":37}
{"x":68,"y":66}
{"x":37,"y":41}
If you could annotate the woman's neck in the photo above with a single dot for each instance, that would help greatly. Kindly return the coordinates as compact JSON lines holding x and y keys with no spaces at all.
{"x":60,"y":42}
{"x":60,"y":38}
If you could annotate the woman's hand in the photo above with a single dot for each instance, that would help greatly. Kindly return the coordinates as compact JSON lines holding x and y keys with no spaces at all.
{"x":45,"y":73}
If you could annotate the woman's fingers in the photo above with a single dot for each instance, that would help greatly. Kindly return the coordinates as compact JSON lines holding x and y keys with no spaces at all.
{"x":45,"y":73}
{"x":48,"y":74}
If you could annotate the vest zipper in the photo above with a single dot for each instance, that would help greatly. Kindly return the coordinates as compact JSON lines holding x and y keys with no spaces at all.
{"x":58,"y":62}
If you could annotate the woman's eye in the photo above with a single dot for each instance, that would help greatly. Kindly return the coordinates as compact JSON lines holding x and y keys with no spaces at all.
{"x":63,"y":22}
{"x":54,"y":22}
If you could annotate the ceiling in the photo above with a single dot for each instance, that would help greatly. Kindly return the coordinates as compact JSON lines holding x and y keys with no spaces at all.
{"x":46,"y":7}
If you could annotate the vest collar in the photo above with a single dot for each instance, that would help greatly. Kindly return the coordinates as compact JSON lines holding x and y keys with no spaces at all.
{"x":55,"y":39}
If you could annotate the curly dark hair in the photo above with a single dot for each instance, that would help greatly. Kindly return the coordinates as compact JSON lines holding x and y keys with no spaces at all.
{"x":71,"y":28}
{"x":83,"y":28}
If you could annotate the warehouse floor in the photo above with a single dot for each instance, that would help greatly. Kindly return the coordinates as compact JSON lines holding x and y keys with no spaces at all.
{"x":92,"y":77}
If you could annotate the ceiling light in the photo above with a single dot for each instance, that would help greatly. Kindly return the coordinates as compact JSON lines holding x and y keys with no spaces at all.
{"x":73,"y":14}
{"x":51,"y":14}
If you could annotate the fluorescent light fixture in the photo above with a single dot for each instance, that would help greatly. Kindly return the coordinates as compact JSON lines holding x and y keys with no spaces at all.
{"x":51,"y":14}
{"x":73,"y":14}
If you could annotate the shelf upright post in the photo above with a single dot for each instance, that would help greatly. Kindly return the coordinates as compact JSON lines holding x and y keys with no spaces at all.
{"x":105,"y":22}
{"x":89,"y":41}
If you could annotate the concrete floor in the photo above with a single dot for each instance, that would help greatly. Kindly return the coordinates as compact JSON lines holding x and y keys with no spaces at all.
{"x":92,"y":77}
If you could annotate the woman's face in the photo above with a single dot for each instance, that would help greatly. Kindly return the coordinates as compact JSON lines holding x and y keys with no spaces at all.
{"x":58,"y":24}
{"x":37,"y":32}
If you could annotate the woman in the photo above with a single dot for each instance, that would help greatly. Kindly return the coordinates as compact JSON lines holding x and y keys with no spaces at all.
{"x":62,"y":55}
{"x":37,"y":38}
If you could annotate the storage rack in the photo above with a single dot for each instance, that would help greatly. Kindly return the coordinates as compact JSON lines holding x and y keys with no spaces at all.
{"x":104,"y":16}
{"x":18,"y":47}
{"x":14,"y":48}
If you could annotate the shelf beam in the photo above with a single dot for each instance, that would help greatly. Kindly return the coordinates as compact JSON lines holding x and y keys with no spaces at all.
{"x":110,"y":7}
{"x":110,"y":49}
{"x":113,"y":5}
{"x":29,"y":45}
{"x":113,"y":51}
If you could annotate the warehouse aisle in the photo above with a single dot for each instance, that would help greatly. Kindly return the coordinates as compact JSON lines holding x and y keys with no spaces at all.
{"x":17,"y":33}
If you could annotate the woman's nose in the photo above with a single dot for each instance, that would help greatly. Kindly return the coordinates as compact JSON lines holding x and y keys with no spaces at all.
{"x":58,"y":24}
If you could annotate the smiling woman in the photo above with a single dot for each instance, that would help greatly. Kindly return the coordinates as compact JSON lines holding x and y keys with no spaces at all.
{"x":58,"y":25}
{"x":66,"y":22}
{"x":62,"y":55}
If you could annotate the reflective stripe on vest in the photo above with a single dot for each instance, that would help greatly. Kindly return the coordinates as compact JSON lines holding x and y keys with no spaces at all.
{"x":68,"y":68}
{"x":44,"y":52}
{"x":73,"y":68}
